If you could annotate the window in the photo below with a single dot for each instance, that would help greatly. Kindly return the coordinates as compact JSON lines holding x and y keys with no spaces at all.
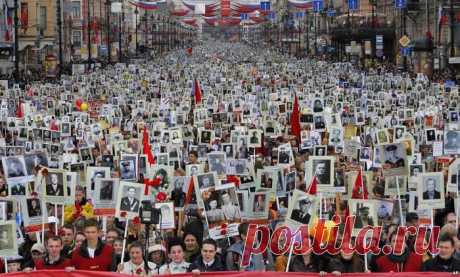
{"x":43,"y":18}
{"x":76,"y":38}
{"x":76,"y":9}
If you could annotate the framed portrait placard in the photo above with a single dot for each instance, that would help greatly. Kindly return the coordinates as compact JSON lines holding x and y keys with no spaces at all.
{"x":259,"y":202}
{"x":105,"y":196}
{"x":365,"y":213}
{"x":302,"y":209}
{"x":167,"y":215}
{"x":8,"y":239}
{"x":222,"y":207}
{"x":393,"y":157}
{"x":430,"y":191}
{"x":129,"y":198}
{"x":34,"y":214}
{"x":55,"y":187}
{"x":323,"y":168}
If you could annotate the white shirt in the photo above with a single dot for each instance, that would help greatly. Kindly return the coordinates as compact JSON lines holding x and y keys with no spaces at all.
{"x":91,"y":252}
{"x":132,"y":269}
{"x":174,"y":268}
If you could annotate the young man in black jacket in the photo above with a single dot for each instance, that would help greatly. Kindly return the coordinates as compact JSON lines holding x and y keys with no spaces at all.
{"x":445,"y":260}
{"x":207,"y":261}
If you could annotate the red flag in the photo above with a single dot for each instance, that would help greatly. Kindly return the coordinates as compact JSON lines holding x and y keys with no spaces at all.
{"x":189,"y":51}
{"x":197,"y":92}
{"x":313,"y":188}
{"x":188,"y":196}
{"x":359,"y":190}
{"x":147,"y":150}
{"x":295,"y":121}
{"x":19,"y":110}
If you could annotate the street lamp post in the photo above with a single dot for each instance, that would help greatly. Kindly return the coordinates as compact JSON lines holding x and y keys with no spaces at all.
{"x":136,"y":12}
{"x":88,"y":26}
{"x":59,"y":25}
{"x":16,"y":42}
{"x":120,"y":18}
{"x":109,"y":47}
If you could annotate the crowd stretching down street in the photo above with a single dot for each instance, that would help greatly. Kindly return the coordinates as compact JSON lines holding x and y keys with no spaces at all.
{"x":161,"y":166}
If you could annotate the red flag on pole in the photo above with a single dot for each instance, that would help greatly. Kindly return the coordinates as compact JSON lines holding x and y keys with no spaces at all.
{"x":295,"y":121}
{"x":359,"y":190}
{"x":188,"y":196}
{"x":313,"y":188}
{"x":19,"y":110}
{"x":197,"y":92}
{"x":147,"y":150}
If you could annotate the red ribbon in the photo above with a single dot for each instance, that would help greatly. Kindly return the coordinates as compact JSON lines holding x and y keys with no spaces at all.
{"x":151,"y":183}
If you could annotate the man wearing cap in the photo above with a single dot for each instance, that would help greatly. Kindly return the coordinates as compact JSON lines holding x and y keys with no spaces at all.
{"x":302,"y":214}
{"x":392,"y":160}
{"x":363,"y":218}
{"x":53,"y":258}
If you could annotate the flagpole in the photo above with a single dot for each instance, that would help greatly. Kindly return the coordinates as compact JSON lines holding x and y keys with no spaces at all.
{"x":291,"y":248}
{"x":124,"y":241}
{"x":320,"y":205}
{"x":399,"y":202}
{"x":432,"y":226}
{"x":366,"y":269}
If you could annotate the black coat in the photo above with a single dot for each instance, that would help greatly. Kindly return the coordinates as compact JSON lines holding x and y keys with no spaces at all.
{"x":198,"y":264}
{"x":440,"y":265}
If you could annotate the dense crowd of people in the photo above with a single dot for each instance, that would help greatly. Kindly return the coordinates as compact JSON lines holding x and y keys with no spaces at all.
{"x":242,"y":102}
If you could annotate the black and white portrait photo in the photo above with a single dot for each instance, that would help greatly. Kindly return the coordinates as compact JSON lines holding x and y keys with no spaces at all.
{"x":105,"y":196}
{"x":216,"y":162}
{"x":322,"y":168}
{"x":14,"y":167}
{"x":228,"y":149}
{"x":193,"y":169}
{"x":93,"y":173}
{"x":254,"y":138}
{"x":86,"y":155}
{"x":451,"y":142}
{"x":127,"y":170}
{"x":302,"y":209}
{"x":206,"y":180}
{"x":55,"y":184}
{"x":8,"y":241}
{"x":289,"y":181}
{"x":430,"y":190}
{"x":394,"y":158}
{"x":399,"y":132}
{"x":35,"y":159}
{"x":34,"y":207}
{"x":18,"y":189}
{"x":430,"y":135}
{"x":129,"y":198}
{"x":365,"y":213}
{"x":259,"y":205}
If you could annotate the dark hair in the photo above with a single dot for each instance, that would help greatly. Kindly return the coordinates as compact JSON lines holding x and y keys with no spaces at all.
{"x":54,"y":238}
{"x":136,"y":244}
{"x":193,"y":152}
{"x":211,"y":242}
{"x":91,"y":222}
{"x":68,"y":226}
{"x":446,"y":238}
{"x":175,"y":242}
{"x":113,"y":230}
{"x":243,"y":228}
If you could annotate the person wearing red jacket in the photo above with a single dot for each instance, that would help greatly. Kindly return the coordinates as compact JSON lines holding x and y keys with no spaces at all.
{"x":53,"y":259}
{"x":407,"y":261}
{"x":93,"y":254}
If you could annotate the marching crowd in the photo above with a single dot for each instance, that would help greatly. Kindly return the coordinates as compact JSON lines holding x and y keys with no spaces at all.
{"x":85,"y":244}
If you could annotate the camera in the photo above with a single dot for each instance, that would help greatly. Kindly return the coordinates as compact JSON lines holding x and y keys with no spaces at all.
{"x":148,"y":214}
